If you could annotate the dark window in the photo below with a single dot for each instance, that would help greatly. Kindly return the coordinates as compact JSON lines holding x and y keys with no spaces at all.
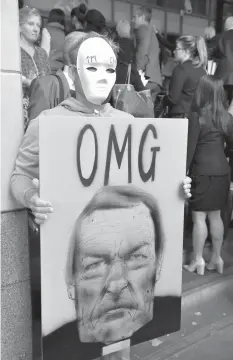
{"x":198,"y":6}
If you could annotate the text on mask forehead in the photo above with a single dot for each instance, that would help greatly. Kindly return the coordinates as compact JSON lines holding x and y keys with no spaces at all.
{"x":94,"y":59}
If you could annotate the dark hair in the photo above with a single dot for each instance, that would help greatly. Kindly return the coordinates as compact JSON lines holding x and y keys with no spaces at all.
{"x":20,"y":3}
{"x":79,"y":12}
{"x":95,"y":21}
{"x":73,"y":51}
{"x":57,"y":15}
{"x":210,"y":102}
{"x":146,"y":12}
{"x":115,"y":197}
{"x":197,"y":48}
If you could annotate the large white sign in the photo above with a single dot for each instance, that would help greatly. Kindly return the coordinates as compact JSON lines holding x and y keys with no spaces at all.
{"x":111,"y":253}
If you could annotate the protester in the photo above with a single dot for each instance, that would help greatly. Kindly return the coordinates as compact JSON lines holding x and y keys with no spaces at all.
{"x":78,"y":17}
{"x":209,"y":171}
{"x":95,"y":21}
{"x":125,"y":57}
{"x":225,"y":48}
{"x":34,"y":60}
{"x":49,"y":91}
{"x":191,"y":54}
{"x":53,"y":42}
{"x":89,"y":102}
{"x":147,"y":49}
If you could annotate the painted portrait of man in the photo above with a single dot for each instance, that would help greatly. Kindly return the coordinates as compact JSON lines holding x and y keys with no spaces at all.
{"x":113,"y":263}
{"x":114,"y":257}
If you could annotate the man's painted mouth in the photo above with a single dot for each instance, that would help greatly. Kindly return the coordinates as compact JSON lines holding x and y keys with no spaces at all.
{"x":115,"y":314}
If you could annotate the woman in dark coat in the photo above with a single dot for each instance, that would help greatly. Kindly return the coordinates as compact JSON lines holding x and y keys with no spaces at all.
{"x":191,"y":55}
{"x":209,"y":170}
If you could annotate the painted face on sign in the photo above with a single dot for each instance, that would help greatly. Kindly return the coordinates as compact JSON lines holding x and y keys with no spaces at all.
{"x":115,"y":274}
{"x":96,"y":65}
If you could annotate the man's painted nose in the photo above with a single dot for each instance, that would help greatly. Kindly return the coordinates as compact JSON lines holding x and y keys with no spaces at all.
{"x":117,"y":280}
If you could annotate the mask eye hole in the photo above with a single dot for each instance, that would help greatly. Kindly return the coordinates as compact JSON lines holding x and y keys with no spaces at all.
{"x":92,"y":68}
{"x":111,"y":71}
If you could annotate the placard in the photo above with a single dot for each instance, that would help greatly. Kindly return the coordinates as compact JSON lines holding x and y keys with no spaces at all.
{"x":111,"y":252}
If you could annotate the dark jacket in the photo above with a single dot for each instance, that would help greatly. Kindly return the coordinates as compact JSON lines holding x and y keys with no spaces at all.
{"x":147,"y":53}
{"x":45,"y":93}
{"x":125,"y":57}
{"x":225,"y":49}
{"x":184,"y":80}
{"x":206,"y":154}
{"x":64,"y":343}
{"x":57,"y":33}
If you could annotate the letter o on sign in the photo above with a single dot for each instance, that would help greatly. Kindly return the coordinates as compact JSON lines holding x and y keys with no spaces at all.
{"x":87,"y":181}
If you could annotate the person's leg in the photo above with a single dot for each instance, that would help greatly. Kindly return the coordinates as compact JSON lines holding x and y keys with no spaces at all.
{"x":217,"y":232}
{"x":200,"y":233}
{"x":199,"y":236}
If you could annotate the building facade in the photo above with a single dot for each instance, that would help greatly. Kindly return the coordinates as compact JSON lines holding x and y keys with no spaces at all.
{"x":166,"y":14}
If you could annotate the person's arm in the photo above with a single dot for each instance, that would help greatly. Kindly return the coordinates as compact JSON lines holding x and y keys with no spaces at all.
{"x":229,"y":134}
{"x":193,"y":134}
{"x":230,"y":110}
{"x":176,"y":85}
{"x":141,"y":47}
{"x":39,"y":100}
{"x":165,"y":42}
{"x":24,"y":179}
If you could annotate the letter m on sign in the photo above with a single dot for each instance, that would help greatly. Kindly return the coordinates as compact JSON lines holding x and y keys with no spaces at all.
{"x":112,"y":142}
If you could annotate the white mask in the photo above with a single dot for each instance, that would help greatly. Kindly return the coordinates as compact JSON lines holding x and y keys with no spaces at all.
{"x":96,"y":65}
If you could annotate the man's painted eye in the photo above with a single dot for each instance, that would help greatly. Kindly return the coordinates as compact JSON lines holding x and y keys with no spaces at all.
{"x":111,"y":71}
{"x":92,"y":68}
{"x":138,"y":256}
{"x":93,"y":266}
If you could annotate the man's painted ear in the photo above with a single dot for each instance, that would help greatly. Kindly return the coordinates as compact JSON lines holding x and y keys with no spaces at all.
{"x":72,"y":72}
{"x":71,"y":292}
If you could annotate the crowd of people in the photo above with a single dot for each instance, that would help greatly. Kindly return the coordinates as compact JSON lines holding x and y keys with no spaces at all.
{"x":194,"y":80}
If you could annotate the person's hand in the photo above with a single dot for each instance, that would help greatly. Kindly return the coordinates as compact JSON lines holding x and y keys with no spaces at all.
{"x":187,"y":187}
{"x":155,"y":29}
{"x":26,"y":82}
{"x":40,"y":208}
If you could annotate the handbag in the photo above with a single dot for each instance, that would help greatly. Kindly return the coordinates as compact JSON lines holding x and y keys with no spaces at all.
{"x":127,"y":99}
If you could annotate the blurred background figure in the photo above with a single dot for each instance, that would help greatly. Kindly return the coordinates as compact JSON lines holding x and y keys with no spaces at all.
{"x":225,"y":67}
{"x":147,"y":49}
{"x":125,"y":56}
{"x":191,"y":55}
{"x":78,"y":17}
{"x":95,"y":21}
{"x":20,"y":3}
{"x":211,"y":43}
{"x":53,"y":38}
{"x":46,"y":92}
{"x":34,"y":60}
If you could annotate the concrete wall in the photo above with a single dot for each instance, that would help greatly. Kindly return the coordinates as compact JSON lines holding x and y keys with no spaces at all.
{"x":16,"y":331}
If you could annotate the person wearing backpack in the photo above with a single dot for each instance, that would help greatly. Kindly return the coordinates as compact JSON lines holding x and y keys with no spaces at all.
{"x":49,"y":91}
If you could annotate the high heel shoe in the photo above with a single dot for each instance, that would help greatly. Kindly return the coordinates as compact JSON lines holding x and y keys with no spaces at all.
{"x":198,"y":266}
{"x":216,"y":265}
